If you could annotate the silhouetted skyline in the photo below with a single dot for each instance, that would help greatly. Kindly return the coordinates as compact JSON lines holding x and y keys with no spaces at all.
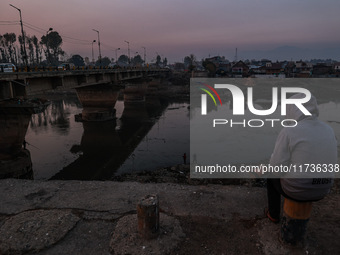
{"x":176,"y":28}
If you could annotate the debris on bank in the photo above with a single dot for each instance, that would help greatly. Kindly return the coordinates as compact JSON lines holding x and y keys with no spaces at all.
{"x":181,"y":174}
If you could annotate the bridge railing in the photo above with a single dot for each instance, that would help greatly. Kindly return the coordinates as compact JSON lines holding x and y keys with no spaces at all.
{"x":79,"y":68}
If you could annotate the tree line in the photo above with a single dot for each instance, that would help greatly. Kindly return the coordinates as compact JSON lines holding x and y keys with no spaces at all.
{"x":47,"y":50}
{"x":12,"y":51}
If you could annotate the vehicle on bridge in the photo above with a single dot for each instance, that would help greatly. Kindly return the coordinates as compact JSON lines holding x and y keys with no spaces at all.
{"x":66,"y":66}
{"x":7,"y":68}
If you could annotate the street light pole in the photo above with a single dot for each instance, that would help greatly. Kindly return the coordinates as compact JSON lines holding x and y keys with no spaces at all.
{"x":100,"y":55}
{"x":128,"y":50}
{"x":23,"y":36}
{"x":117,"y":55}
{"x":92,"y":51}
{"x":144,"y":55}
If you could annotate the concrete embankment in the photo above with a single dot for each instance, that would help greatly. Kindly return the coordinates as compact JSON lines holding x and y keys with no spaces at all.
{"x":73,"y":217}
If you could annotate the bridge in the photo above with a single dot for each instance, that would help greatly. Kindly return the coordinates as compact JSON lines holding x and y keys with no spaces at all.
{"x":97,"y":90}
{"x":18,"y":84}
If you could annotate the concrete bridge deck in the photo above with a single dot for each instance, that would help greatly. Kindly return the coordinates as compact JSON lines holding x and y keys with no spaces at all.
{"x":62,"y":73}
{"x":21,"y":83}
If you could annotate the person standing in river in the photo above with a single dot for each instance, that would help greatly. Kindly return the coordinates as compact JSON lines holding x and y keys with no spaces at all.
{"x":185,"y":158}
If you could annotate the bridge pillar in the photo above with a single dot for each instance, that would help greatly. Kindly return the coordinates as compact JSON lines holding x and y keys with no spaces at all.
{"x":135,"y":93}
{"x":13,"y":128}
{"x":81,"y":79}
{"x":19,"y":166}
{"x":6,"y":89}
{"x":15,"y":162}
{"x":9,"y":89}
{"x":98,"y":102}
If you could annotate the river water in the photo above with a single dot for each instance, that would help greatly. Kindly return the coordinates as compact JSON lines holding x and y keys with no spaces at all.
{"x":144,"y":137}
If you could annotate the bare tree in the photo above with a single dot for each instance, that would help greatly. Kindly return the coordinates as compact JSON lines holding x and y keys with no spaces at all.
{"x":36,"y":45}
{"x":22,"y":52}
{"x":29,"y":40}
{"x":9,"y":39}
{"x":2,"y":49}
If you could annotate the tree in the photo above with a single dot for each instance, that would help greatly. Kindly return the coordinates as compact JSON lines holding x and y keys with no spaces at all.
{"x":137,"y":60}
{"x":190,"y":62}
{"x":29,"y":44}
{"x":187,"y":61}
{"x":123,"y":60}
{"x":22,"y":52}
{"x":210,"y":67}
{"x":37,"y":50}
{"x":8,"y":42}
{"x":52,"y":41}
{"x":105,"y":62}
{"x":3,"y":57}
{"x":165,"y":62}
{"x":29,"y":40}
{"x":3,"y":49}
{"x":77,"y":60}
{"x":158,"y":60}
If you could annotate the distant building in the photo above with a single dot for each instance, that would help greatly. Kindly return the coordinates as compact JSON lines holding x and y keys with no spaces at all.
{"x":218,"y":61}
{"x":274,"y":68}
{"x":240,"y":69}
{"x":303,"y":69}
{"x":267,"y":69}
{"x":256,"y":70}
{"x":218,"y":65}
{"x":224,"y":69}
{"x":289,"y":69}
{"x":336,"y":69}
{"x":322,"y":70}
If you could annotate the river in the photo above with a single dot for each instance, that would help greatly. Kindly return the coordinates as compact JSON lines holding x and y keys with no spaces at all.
{"x":144,"y":137}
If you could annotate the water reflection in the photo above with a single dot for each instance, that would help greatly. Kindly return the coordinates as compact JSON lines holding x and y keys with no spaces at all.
{"x":51,"y":135}
{"x":66,"y":149}
{"x":144,"y":136}
{"x":165,"y":143}
{"x":56,"y":116}
{"x":104,"y":148}
{"x":99,"y":143}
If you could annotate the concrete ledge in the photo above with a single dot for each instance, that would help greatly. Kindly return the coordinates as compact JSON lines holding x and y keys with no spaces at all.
{"x":120,"y":197}
{"x":82,"y":218}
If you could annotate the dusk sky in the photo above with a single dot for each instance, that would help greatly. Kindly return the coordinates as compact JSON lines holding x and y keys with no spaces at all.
{"x":176,"y":28}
